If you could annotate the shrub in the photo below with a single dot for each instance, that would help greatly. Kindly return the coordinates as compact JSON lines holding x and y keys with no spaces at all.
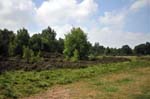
{"x":75,"y":56}
{"x":92,"y":57}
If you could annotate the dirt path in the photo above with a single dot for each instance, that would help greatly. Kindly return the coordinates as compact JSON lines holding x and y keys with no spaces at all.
{"x":54,"y":93}
{"x":123,"y":85}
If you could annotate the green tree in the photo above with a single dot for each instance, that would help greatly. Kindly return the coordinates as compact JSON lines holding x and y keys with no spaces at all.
{"x":22,"y":39}
{"x":75,"y":56}
{"x":11,"y":50}
{"x":107,"y":51}
{"x":97,"y":49}
{"x":27,"y":53}
{"x":76,"y":40}
{"x":147,"y":48}
{"x":140,"y":49}
{"x":35,"y":57}
{"x":35,"y":42}
{"x":126,"y":50}
{"x":48,"y":40}
{"x":60,"y":45}
{"x":6,"y":37}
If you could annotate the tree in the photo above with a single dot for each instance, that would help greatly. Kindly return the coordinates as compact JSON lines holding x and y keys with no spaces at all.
{"x":126,"y":50}
{"x":140,"y":49}
{"x":22,"y":39}
{"x":75,"y":56}
{"x":76,"y":40}
{"x":60,"y":45}
{"x":147,"y":48}
{"x":107,"y":51}
{"x":35,"y":57}
{"x":97,"y":49}
{"x":6,"y":37}
{"x":27,"y":53}
{"x":35,"y":42}
{"x":11,"y":50}
{"x":48,"y":40}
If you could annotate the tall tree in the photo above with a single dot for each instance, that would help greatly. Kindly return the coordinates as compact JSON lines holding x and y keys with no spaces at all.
{"x":140,"y":49}
{"x":97,"y":49}
{"x":48,"y":37}
{"x":60,"y":45}
{"x":35,"y":42}
{"x":147,"y":48}
{"x":76,"y":40}
{"x":6,"y":37}
{"x":22,"y":39}
{"x":126,"y":50}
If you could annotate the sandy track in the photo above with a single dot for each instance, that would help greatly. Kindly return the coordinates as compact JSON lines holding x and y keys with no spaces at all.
{"x":55,"y":93}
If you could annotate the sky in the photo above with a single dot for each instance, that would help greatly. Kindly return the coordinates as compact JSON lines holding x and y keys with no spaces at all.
{"x":112,"y":23}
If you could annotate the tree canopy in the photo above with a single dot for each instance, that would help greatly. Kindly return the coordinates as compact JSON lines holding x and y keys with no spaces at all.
{"x":74,"y":46}
{"x":76,"y":40}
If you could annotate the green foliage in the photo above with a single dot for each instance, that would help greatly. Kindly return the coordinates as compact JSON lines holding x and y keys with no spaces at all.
{"x":22,"y":39}
{"x":126,"y":50}
{"x":60,"y":45}
{"x":97,"y":49}
{"x":75,"y":57}
{"x":20,"y":83}
{"x":107,"y":51}
{"x":36,"y":58}
{"x":27,"y":53}
{"x":11,"y":49}
{"x":48,"y":40}
{"x":76,"y":39}
{"x":30,"y":55}
{"x":6,"y":37}
{"x":35,"y":42}
{"x":142,"y":49}
{"x":92,"y":57}
{"x":11,"y":44}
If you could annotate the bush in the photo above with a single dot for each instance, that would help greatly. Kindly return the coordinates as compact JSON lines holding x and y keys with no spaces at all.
{"x":36,"y":58}
{"x":30,"y":56}
{"x":27,"y":53}
{"x":76,"y":40}
{"x":92,"y":57}
{"x":75,"y":57}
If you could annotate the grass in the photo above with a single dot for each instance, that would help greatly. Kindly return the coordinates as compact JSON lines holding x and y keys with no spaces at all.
{"x":125,"y":84}
{"x":18,"y":84}
{"x":111,"y":89}
{"x":125,"y":80}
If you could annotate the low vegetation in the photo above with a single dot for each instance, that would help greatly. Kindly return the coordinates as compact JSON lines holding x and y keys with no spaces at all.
{"x":20,"y":83}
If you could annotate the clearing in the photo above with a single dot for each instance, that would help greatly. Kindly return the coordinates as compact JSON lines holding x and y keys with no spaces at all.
{"x":131,"y":84}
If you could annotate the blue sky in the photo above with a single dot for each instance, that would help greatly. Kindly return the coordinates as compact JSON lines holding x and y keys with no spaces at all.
{"x":110,"y":22}
{"x":135,"y":22}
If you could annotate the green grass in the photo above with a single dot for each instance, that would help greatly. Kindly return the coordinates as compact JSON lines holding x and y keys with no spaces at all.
{"x":125,"y":80}
{"x":111,"y":89}
{"x":20,"y":83}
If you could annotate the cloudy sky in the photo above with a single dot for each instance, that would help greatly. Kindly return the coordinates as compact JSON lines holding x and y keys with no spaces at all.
{"x":110,"y":22}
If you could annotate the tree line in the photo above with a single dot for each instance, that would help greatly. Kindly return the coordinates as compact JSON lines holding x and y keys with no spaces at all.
{"x":75,"y":46}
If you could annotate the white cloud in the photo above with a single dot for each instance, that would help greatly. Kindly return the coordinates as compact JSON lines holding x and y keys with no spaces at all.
{"x":15,"y":14}
{"x":63,"y":30}
{"x":113,"y":19}
{"x":138,"y":4}
{"x":54,"y":12}
{"x":112,"y":33}
{"x":117,"y":38}
{"x":62,"y":15}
